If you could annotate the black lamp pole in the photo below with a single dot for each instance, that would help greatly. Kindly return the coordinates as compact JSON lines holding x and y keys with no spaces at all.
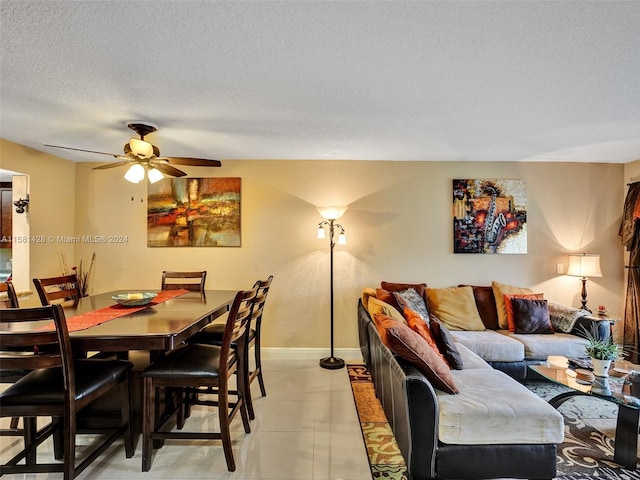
{"x":331,"y":362}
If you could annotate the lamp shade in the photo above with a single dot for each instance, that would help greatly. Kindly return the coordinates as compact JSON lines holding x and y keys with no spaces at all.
{"x":135,"y":173}
{"x":331,"y":213}
{"x":584,"y":265}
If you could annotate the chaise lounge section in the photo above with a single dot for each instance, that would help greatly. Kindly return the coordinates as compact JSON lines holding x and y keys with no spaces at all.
{"x":468,"y":422}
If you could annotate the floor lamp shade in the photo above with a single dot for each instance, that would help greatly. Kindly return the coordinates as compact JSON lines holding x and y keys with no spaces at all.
{"x":584,"y":265}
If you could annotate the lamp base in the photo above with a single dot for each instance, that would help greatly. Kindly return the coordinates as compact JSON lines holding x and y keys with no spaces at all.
{"x":332,"y":363}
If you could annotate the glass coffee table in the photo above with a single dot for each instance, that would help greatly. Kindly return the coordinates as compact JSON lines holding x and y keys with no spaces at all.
{"x":612,"y":389}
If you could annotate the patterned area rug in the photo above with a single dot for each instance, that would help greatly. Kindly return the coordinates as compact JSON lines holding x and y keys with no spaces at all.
{"x":586,"y":453}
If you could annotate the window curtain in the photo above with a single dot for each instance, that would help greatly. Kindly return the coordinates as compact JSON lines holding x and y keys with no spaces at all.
{"x":630,"y":235}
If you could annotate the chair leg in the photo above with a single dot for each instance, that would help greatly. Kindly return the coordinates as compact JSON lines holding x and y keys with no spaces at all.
{"x":58,"y":439}
{"x":69,"y":422}
{"x":30,"y":431}
{"x":148,"y":421}
{"x":14,"y":423}
{"x":125,"y":415}
{"x":225,"y":434}
{"x":258,"y":357}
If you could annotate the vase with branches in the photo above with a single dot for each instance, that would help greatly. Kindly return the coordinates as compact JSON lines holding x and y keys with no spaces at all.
{"x":83,"y":275}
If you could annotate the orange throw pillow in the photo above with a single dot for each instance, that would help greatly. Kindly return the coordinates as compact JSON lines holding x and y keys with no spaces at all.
{"x":509,"y":307}
{"x":418,"y":325}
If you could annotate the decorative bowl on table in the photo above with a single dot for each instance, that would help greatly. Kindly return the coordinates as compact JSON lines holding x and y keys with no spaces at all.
{"x":134,"y":299}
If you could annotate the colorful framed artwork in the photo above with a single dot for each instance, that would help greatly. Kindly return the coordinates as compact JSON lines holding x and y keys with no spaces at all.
{"x":194,"y":212}
{"x":489,"y":216}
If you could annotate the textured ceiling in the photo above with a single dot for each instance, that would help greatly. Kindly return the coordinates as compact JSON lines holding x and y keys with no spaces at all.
{"x":372,"y":80}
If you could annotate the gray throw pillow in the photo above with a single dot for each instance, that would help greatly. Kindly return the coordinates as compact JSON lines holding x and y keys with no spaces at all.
{"x":411,"y":299}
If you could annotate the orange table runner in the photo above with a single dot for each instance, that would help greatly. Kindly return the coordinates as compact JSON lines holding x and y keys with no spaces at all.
{"x":96,"y":317}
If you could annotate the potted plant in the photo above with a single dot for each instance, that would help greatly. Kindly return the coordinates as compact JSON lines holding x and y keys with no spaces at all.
{"x":602,"y":352}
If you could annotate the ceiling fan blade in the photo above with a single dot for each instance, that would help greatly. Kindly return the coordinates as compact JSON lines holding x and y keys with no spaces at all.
{"x":81,"y":150}
{"x":112,"y":165}
{"x":194,"y":162}
{"x":167,"y":169}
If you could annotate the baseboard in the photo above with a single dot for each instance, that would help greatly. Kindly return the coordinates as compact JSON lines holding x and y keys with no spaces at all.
{"x":347,"y":354}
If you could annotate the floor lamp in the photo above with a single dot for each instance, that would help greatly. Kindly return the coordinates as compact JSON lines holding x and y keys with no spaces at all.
{"x":330,"y":215}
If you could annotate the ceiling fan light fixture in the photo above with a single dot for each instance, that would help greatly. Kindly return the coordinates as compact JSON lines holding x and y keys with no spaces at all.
{"x":154,"y":175}
{"x":135,"y":173}
{"x":140,"y":148}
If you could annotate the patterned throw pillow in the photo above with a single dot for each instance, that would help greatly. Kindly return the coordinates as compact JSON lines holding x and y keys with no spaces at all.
{"x":412,"y":300}
{"x":563,"y":317}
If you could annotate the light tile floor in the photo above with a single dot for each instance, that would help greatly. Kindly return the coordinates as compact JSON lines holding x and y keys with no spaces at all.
{"x":305,"y":428}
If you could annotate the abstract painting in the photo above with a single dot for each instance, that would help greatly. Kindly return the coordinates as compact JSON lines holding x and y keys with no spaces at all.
{"x":489,"y":216}
{"x":194,"y":212}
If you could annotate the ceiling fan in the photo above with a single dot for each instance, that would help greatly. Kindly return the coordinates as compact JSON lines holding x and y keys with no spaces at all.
{"x":145,"y":157}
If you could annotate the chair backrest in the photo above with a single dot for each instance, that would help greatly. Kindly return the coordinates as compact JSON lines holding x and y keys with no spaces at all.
{"x":12,"y":298}
{"x":238,"y":321}
{"x":57,"y":289}
{"x":193,"y":281}
{"x":261,"y":298}
{"x":26,"y":346}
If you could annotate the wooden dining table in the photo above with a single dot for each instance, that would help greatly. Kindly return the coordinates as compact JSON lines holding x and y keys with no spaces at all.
{"x":157,"y":328}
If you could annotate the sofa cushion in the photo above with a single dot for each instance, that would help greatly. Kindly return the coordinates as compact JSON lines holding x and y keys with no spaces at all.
{"x":540,"y":346}
{"x":530,"y":316}
{"x":406,"y":343}
{"x":501,"y":289}
{"x":491,"y":345}
{"x":475,"y":417}
{"x":378,"y":306}
{"x":470,"y":359}
{"x":486,"y":304}
{"x":445,"y":342}
{"x":509,"y":307}
{"x":455,"y":307}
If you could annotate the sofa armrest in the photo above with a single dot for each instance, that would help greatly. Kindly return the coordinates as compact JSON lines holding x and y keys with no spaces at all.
{"x":590,"y":323}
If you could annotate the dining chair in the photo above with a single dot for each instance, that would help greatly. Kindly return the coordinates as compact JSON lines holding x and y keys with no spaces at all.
{"x":58,"y":386}
{"x":193,"y":281}
{"x":193,"y":366}
{"x":212,"y":335}
{"x":11,"y":375}
{"x":58,"y":289}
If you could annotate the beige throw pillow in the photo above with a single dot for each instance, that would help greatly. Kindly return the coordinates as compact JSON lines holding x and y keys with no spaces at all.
{"x":455,"y":307}
{"x":378,"y":306}
{"x":499,"y":291}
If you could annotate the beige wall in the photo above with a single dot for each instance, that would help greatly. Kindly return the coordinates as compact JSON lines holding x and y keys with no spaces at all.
{"x":399,"y":228}
{"x":52,"y":202}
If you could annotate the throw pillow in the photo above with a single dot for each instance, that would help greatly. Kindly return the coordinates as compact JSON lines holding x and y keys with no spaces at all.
{"x":410,"y":299}
{"x":367,"y":292}
{"x":407,"y":344}
{"x":418,"y":325}
{"x":444,"y":341}
{"x":387,"y":297}
{"x":486,"y":303}
{"x":378,"y":306}
{"x":509,"y":308}
{"x":531,"y":316}
{"x":398,"y":287}
{"x":500,"y":289}
{"x":455,"y":307}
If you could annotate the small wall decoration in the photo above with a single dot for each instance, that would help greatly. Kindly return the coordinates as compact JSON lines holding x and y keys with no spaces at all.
{"x":489,"y":216}
{"x":194,"y":212}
